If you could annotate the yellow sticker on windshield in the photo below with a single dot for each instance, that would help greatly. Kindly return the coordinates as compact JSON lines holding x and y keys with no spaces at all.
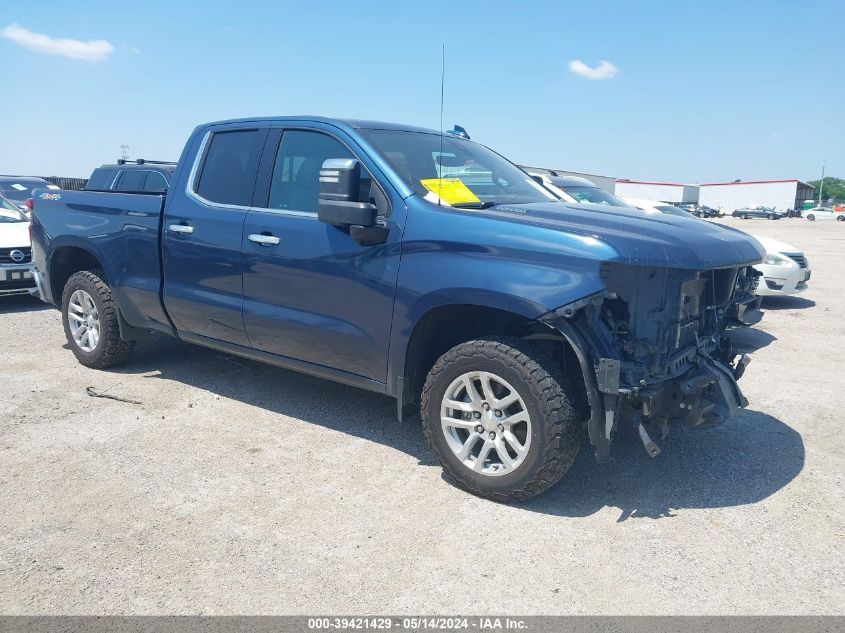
{"x":450,"y":190}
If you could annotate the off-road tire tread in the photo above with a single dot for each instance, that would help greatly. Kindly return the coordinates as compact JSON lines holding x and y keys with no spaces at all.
{"x":547,"y":384}
{"x":115,"y":350}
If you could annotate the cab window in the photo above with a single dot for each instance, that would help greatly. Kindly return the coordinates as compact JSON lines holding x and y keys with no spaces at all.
{"x":230,"y":166}
{"x":295,"y":183}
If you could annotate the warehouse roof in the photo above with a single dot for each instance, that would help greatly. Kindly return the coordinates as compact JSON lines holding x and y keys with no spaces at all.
{"x":646,"y":182}
{"x":754,"y":182}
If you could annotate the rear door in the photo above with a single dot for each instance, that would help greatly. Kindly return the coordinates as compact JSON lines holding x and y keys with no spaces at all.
{"x":311,"y":292}
{"x":201,"y":238}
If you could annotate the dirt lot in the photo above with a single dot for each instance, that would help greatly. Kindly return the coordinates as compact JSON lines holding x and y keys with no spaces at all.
{"x":239,"y":488}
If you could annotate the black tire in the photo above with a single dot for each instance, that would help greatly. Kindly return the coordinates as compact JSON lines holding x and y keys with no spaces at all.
{"x":811,"y":218}
{"x":744,"y":216}
{"x":555,"y":437}
{"x":110,"y":349}
{"x":840,"y":217}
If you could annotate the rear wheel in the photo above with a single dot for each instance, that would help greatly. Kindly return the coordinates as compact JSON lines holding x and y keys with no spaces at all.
{"x":497,"y":415}
{"x":90,"y":319}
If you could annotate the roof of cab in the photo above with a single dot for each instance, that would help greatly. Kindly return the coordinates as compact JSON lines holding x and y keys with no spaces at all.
{"x":346,"y":124}
{"x":168,"y":167}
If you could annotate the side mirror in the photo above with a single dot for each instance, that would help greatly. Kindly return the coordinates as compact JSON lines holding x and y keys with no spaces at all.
{"x":340,"y":205}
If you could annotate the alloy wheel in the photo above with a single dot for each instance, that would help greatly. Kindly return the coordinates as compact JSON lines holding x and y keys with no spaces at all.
{"x":486,"y":423}
{"x":83,"y":320}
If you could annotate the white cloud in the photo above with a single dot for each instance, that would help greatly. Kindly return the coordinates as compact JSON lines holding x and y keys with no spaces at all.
{"x":604,"y":70}
{"x":92,"y":50}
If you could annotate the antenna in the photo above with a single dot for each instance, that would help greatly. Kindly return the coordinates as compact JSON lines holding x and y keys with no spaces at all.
{"x":440,"y":157}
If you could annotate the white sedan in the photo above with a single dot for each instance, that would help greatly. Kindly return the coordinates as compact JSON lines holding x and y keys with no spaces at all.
{"x":15,"y":252}
{"x":823,"y":213}
{"x":785,"y":269}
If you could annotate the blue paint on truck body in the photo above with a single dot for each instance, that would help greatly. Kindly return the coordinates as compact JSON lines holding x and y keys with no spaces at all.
{"x":322,"y":303}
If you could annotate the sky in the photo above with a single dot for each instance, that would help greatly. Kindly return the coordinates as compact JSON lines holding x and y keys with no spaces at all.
{"x":661,"y":91}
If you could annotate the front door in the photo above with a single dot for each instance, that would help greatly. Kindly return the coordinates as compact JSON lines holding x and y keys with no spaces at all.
{"x":310,"y":291}
{"x":201,"y":240}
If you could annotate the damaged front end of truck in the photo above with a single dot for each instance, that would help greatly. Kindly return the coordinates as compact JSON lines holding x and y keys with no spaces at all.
{"x":653,"y":349}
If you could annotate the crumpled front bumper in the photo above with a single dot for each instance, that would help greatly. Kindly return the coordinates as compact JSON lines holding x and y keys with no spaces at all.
{"x":704,"y":394}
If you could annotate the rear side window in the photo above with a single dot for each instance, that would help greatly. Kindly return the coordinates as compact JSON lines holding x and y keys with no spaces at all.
{"x":131,"y":180}
{"x":229,"y":168}
{"x":155,"y":182}
{"x":100,"y":179}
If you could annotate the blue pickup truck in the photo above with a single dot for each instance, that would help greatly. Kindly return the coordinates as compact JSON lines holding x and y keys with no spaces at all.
{"x":415,"y":264}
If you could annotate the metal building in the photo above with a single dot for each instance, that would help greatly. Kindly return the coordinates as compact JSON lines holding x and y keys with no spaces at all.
{"x":662,"y":191}
{"x":778,"y":194}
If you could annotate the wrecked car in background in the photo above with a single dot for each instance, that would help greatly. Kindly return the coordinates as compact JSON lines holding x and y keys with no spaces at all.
{"x":514,"y":320}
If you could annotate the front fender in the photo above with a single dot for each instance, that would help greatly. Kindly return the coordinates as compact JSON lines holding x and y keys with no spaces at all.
{"x":524,"y":286}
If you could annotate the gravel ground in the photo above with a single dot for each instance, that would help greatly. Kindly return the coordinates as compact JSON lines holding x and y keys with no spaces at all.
{"x":240,"y":488}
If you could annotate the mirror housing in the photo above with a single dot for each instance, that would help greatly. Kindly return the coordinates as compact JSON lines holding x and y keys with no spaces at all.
{"x":339,"y":204}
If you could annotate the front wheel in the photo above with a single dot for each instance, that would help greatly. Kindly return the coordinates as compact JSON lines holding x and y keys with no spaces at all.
{"x":90,"y":319}
{"x":744,"y":216}
{"x":497,"y":414}
{"x":840,"y":218}
{"x":811,"y":218}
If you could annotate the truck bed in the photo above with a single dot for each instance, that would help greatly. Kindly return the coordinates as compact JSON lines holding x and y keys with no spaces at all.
{"x":122,"y":230}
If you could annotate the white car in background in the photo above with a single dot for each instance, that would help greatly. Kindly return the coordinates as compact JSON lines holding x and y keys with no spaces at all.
{"x":15,"y":252}
{"x":823,"y":213}
{"x":785,"y":269}
{"x":655,"y":206}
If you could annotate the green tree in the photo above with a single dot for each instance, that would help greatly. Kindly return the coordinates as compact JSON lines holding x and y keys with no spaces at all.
{"x":833,"y":188}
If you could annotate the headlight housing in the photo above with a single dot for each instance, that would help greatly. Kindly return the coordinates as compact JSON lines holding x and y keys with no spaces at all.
{"x":773,"y":259}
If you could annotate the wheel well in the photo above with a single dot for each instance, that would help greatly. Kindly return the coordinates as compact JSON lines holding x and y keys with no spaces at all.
{"x":444,"y":327}
{"x":66,"y":261}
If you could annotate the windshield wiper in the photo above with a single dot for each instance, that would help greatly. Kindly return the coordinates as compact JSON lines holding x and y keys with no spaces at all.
{"x":474,"y":205}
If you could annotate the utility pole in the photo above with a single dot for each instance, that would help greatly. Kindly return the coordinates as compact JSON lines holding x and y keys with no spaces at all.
{"x":124,"y":152}
{"x":821,"y":184}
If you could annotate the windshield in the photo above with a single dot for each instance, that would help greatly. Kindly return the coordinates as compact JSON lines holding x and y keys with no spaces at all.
{"x":20,"y":190}
{"x":7,"y":205}
{"x":593,"y":195}
{"x":8,"y":213}
{"x":462,"y":172}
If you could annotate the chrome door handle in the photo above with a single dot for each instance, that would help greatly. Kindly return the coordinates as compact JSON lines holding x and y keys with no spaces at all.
{"x":183,"y":229}
{"x":264,"y":240}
